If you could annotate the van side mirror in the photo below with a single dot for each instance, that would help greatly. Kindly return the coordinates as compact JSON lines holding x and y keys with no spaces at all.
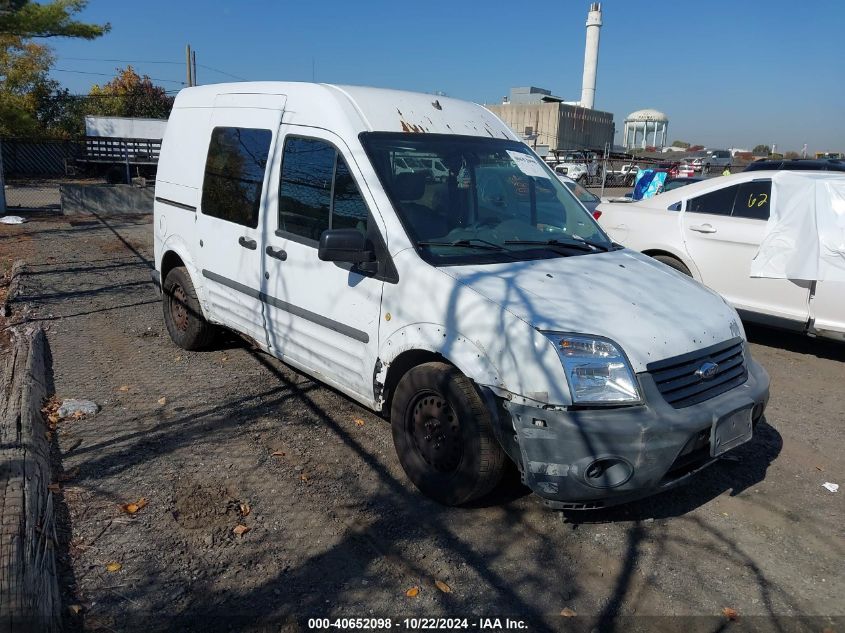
{"x":346,"y":246}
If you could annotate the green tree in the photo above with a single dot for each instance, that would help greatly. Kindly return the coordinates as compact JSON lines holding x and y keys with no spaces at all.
{"x":792,"y":155}
{"x":683,"y":144}
{"x":28,"y":19}
{"x":28,"y":103}
{"x":130,"y":94}
{"x":761,"y":150}
{"x":23,"y":81}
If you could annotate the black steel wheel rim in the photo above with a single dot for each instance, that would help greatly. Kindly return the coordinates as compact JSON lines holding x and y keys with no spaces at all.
{"x":179,"y":308}
{"x":435,"y":432}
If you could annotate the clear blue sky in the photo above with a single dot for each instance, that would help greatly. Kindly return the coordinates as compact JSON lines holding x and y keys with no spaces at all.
{"x":728,"y":73}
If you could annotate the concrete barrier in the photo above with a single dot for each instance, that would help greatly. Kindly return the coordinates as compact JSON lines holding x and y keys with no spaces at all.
{"x":29,"y":591}
{"x":106,"y":199}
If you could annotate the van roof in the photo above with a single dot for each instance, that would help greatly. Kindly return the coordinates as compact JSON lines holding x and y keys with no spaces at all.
{"x":366,"y":109}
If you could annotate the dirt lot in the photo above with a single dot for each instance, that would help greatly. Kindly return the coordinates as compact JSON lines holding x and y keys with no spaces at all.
{"x":230,"y":436}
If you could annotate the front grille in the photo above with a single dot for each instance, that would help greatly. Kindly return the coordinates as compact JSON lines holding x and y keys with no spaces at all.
{"x":680,"y":386}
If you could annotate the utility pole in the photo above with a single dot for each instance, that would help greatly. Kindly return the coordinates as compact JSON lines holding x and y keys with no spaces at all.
{"x":188,"y":65}
{"x":194,"y":67}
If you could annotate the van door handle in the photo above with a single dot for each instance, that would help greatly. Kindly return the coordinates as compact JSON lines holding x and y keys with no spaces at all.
{"x":250,"y":244}
{"x":702,"y":228}
{"x":276,"y":253}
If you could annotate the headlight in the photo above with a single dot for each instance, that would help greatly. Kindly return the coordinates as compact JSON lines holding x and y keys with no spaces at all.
{"x":597,"y":370}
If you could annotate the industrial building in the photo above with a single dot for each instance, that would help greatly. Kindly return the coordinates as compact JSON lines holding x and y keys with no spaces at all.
{"x":545,"y":120}
{"x":548,"y":122}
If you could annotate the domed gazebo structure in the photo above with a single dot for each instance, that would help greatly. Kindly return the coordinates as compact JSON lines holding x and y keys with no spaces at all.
{"x":645,"y":128}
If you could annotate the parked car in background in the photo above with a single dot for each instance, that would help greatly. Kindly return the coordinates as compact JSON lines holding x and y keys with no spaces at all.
{"x":585,"y":197}
{"x":714,"y":161}
{"x":489,"y":316}
{"x":798,"y":164}
{"x":574,"y":171}
{"x":712,"y":230}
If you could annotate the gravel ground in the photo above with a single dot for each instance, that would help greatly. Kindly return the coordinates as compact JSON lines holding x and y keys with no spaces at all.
{"x":231,"y":437}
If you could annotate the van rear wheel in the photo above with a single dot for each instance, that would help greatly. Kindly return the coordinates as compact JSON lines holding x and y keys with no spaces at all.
{"x":182,"y":313}
{"x":443,"y":435}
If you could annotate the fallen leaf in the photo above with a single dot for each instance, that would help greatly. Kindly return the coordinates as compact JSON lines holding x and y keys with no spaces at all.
{"x":730,"y":614}
{"x":77,"y":415}
{"x":162,"y":400}
{"x":113,"y":567}
{"x":54,"y":487}
{"x":48,"y":435}
{"x":75,"y":609}
{"x":413,"y":592}
{"x":132,"y":508}
{"x":245,"y":509}
{"x":69,"y":474}
{"x":567,"y":613}
{"x":820,"y":469}
{"x":178,"y":358}
{"x":240,"y":529}
{"x":277,"y":454}
{"x":224,"y":358}
{"x":53,"y":419}
{"x":123,"y":388}
{"x":442,"y":586}
{"x":303,"y":477}
{"x":359,"y":422}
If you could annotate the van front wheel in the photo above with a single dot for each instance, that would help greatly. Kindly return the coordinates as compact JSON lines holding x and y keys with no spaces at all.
{"x":443,"y":435}
{"x":182,"y":313}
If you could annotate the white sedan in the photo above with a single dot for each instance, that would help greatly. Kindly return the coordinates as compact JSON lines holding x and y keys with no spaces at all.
{"x":712,"y":230}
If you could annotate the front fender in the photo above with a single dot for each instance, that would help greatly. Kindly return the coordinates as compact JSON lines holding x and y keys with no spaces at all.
{"x":467,"y":356}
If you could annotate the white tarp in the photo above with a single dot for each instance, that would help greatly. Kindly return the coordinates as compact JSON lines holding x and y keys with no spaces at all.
{"x":805,"y":233}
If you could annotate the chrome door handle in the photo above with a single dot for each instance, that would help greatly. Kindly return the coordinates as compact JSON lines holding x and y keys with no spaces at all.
{"x":702,"y":228}
{"x":250,"y":244}
{"x":280,"y":254}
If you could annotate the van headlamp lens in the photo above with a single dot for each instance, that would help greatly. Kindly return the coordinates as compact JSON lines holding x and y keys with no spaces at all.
{"x":597,"y":371}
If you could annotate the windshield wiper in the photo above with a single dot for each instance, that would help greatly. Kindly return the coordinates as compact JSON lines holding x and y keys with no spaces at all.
{"x":472,"y":242}
{"x":573,"y":242}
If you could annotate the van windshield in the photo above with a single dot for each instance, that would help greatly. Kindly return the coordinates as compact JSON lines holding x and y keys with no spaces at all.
{"x":497,"y":203}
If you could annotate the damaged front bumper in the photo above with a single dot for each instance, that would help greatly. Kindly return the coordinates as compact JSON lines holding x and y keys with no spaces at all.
{"x":593,"y":458}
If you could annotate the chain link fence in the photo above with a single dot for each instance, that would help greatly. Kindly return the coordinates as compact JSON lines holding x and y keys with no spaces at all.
{"x":35,"y":169}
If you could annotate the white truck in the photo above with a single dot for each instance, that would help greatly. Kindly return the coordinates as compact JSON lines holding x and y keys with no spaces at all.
{"x":772,"y":243}
{"x":489,"y":316}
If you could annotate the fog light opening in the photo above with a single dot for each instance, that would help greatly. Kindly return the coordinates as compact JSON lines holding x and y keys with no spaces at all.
{"x":608,"y":472}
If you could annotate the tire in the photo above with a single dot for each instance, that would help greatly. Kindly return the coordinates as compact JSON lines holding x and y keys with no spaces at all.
{"x":182,"y":312}
{"x":671,"y":262}
{"x":443,"y":435}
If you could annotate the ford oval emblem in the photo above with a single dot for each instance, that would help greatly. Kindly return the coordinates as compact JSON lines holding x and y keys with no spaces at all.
{"x":707,"y":370}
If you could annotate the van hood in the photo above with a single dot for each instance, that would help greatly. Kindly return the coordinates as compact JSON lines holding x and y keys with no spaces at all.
{"x":650,"y":310}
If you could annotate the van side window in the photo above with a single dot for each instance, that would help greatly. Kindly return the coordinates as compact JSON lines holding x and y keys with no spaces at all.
{"x":753,"y":200}
{"x":234,"y":174}
{"x":317,"y":191}
{"x":719,"y":202}
{"x":349,"y":210}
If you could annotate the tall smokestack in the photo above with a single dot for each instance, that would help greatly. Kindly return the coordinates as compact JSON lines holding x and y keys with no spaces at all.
{"x":591,"y":56}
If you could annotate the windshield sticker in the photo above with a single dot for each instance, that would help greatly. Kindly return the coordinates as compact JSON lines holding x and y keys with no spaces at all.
{"x":527,"y":164}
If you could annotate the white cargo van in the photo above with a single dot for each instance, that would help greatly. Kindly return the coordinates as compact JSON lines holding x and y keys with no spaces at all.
{"x":488,"y":314}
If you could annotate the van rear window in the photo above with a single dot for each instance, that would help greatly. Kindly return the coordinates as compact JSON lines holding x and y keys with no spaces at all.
{"x":234,"y":174}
